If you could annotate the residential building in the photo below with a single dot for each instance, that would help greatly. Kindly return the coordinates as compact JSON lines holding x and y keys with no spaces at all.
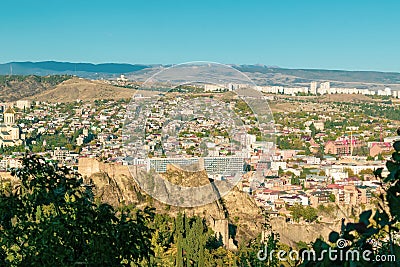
{"x":343,"y":146}
{"x":380,"y":148}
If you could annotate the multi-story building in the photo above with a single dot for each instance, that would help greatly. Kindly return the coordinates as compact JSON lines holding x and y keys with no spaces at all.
{"x":319,"y":197}
{"x":351,"y":194}
{"x":386,"y":92}
{"x":325,"y":88}
{"x":23,"y":104}
{"x":3,"y":164}
{"x":213,"y":165}
{"x":313,"y":88}
{"x":343,"y":146}
{"x":61,"y":154}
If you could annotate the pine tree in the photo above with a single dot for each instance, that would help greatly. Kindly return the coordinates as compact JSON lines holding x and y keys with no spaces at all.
{"x":179,"y":230}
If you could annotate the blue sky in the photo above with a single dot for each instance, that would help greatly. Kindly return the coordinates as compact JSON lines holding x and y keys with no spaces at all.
{"x":353,"y":35}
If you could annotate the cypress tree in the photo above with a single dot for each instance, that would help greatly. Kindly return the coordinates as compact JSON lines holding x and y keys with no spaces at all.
{"x":179,"y":228}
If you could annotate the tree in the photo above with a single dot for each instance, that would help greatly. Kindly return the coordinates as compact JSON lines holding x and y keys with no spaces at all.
{"x":162,"y":239}
{"x":179,"y":231}
{"x":195,"y":240}
{"x":294,"y":180}
{"x":50,"y":219}
{"x":248,"y":253}
{"x":313,"y":130}
{"x":280,"y":171}
{"x":349,"y":171}
{"x":296,"y":211}
{"x":192,"y":240}
{"x":310,"y":214}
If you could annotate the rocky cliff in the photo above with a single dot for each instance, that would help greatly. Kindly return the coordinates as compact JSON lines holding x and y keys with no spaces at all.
{"x":235,"y":217}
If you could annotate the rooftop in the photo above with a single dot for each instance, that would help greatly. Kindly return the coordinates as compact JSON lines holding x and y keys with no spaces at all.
{"x":9,"y":110}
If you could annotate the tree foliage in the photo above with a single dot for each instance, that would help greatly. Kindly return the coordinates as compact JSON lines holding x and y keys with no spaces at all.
{"x":299,"y":211}
{"x":50,"y":219}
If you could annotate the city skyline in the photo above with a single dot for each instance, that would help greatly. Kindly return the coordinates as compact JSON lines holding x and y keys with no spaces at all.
{"x":288,"y":34}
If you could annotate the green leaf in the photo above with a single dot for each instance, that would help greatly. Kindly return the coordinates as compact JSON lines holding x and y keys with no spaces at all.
{"x":378,"y":173}
{"x":391,"y":177}
{"x":364,"y":216}
{"x":371,"y":231}
{"x":396,"y":145}
{"x":383,"y":219}
{"x":348,"y":236}
{"x":392,"y":166}
{"x":396,"y":156}
{"x":333,"y":237}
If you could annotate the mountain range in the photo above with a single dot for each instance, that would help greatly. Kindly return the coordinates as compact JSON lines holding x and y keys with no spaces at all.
{"x":260,"y":74}
{"x":87,"y":70}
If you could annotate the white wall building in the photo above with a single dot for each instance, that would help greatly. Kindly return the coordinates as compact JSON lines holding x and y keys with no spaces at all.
{"x":313,"y":88}
{"x":23,"y":104}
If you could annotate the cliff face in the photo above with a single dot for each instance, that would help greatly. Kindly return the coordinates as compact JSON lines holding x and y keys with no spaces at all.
{"x":235,"y":216}
{"x":112,"y":183}
{"x":291,"y":234}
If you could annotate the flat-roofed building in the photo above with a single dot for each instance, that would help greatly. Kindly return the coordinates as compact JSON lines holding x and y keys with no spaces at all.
{"x":213,"y":165}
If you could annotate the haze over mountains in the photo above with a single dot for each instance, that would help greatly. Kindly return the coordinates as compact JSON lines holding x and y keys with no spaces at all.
{"x":87,"y":70}
{"x":37,"y":84}
{"x":275,"y":75}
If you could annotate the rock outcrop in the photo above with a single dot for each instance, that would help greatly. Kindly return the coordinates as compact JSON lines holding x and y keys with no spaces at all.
{"x":235,"y":217}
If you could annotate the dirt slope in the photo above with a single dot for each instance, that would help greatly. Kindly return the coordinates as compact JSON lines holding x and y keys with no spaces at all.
{"x":78,"y":88}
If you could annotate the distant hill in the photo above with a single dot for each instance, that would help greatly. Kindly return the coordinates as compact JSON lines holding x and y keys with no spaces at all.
{"x":13,"y":88}
{"x":60,"y":88}
{"x":79,"y":69}
{"x":282,"y":76}
{"x":17,"y":87}
{"x":307,"y":75}
{"x":79,"y":88}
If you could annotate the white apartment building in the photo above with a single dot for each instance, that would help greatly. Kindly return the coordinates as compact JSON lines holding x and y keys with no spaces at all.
{"x":313,"y":88}
{"x":213,"y":165}
{"x":324,"y":88}
{"x":23,"y":104}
